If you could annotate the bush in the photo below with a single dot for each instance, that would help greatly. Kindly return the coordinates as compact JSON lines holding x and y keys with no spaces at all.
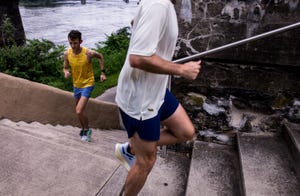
{"x":38,"y":61}
{"x":42,"y":61}
{"x":114,"y":50}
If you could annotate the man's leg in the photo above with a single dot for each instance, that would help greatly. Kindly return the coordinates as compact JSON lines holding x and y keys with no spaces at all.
{"x":145,"y":153}
{"x":80,"y":107}
{"x":179,"y":128}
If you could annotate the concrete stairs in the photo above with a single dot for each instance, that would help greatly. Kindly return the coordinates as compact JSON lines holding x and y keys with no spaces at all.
{"x":38,"y":159}
{"x":259,"y":164}
{"x":214,"y":170}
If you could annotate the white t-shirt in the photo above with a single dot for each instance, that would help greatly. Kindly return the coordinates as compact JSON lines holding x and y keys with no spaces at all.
{"x":155,"y":30}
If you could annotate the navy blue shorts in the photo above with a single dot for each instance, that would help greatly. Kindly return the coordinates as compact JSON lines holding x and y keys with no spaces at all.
{"x":85,"y":92}
{"x":150,"y":129}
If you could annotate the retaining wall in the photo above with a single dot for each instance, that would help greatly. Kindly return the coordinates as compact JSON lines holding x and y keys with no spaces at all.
{"x":23,"y":100}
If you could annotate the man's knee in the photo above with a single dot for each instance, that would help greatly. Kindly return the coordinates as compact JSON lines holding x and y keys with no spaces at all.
{"x":146,"y":162}
{"x":188,"y":134}
{"x":146,"y":166}
{"x":79,"y":111}
{"x":191,"y":133}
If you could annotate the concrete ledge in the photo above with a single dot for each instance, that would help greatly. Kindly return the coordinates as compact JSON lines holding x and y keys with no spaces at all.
{"x":23,"y":100}
{"x":214,"y":170}
{"x":291,"y":133}
{"x":267,"y":165}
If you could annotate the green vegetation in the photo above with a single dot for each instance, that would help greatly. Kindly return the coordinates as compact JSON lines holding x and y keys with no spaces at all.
{"x":36,"y":2}
{"x":38,"y":61}
{"x":42,"y":61}
{"x":7,"y":31}
{"x":114,"y":50}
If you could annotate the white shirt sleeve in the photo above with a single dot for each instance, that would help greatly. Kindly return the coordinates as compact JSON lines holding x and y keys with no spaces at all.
{"x":148,"y":30}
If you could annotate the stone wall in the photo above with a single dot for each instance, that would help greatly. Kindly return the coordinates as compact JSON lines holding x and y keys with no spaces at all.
{"x":264,"y":69}
{"x":258,"y":85}
{"x":207,"y":24}
{"x":23,"y":100}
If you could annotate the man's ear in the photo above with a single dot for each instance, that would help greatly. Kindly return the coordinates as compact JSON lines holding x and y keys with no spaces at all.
{"x":81,"y":41}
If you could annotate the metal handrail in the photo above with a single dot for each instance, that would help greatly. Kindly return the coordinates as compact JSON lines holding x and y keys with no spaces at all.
{"x":237,"y":43}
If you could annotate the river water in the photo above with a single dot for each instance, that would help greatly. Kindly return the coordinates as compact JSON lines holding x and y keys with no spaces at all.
{"x":95,"y":20}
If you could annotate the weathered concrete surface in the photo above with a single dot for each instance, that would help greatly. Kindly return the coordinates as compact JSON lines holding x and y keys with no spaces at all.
{"x":41,"y":159}
{"x":169,"y":176}
{"x":38,"y":159}
{"x":23,"y":100}
{"x":214,"y":170}
{"x":267,"y":165}
{"x":109,"y":95}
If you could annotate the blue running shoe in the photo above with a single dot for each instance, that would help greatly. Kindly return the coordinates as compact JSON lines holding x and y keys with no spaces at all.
{"x":126,"y":158}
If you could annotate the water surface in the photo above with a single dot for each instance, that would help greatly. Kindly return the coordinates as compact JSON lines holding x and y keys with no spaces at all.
{"x":95,"y":20}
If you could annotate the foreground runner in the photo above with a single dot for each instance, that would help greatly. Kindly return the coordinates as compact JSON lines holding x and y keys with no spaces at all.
{"x":142,"y":95}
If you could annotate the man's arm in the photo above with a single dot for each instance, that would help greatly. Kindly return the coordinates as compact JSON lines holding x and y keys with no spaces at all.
{"x":156,"y":64}
{"x":93,"y":54}
{"x":66,"y":71}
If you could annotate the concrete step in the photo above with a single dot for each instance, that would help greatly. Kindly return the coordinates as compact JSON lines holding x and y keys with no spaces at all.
{"x":168,"y":177}
{"x":214,"y":170}
{"x":291,"y":133}
{"x":68,"y":136}
{"x":267,"y":165}
{"x":38,"y":159}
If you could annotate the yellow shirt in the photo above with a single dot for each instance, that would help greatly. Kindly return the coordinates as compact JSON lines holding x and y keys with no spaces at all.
{"x":82,"y":69}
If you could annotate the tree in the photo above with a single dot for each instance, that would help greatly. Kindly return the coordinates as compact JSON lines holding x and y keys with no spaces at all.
{"x":10,"y":15}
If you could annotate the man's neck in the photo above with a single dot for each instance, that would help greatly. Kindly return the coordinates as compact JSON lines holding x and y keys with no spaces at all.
{"x":77,"y":51}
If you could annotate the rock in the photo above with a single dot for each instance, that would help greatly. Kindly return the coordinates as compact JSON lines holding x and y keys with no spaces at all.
{"x":213,"y":109}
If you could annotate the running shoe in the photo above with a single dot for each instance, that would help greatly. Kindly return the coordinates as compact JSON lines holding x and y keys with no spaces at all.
{"x":88,"y":135}
{"x":126,"y":158}
{"x":82,"y":134}
{"x":85,"y":135}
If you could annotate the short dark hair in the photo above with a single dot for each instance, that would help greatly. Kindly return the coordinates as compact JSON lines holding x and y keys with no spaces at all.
{"x":74,"y":34}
